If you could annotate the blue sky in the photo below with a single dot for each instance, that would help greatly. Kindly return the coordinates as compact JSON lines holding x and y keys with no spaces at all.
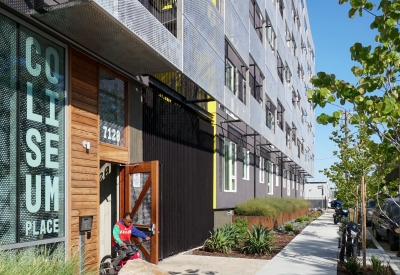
{"x":334,"y":33}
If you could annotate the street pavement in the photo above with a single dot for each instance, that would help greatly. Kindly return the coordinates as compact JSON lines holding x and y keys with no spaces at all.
{"x":312,"y":252}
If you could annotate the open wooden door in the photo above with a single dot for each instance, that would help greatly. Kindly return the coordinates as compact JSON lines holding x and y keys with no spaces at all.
{"x":139,"y":195}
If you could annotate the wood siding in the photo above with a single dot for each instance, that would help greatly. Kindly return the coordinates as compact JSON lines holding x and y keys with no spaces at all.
{"x":84,"y":165}
{"x":84,"y":123}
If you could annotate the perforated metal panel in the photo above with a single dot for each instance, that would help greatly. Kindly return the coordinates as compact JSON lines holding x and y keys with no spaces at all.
{"x":233,"y":104}
{"x":112,"y":109}
{"x":236,"y":31}
{"x":42,"y":138}
{"x":208,"y":22}
{"x":257,"y":50}
{"x":201,"y":63}
{"x":140,"y":44}
{"x":8,"y":124}
{"x":242,"y":9}
{"x":257,"y":116}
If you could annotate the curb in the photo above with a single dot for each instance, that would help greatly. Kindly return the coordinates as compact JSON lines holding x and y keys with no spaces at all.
{"x":394,"y":267}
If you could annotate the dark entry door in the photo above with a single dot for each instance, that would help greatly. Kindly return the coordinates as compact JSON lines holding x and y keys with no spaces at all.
{"x":140,"y":196}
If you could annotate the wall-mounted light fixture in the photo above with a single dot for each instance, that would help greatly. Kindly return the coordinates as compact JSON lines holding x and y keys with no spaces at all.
{"x":86,"y":144}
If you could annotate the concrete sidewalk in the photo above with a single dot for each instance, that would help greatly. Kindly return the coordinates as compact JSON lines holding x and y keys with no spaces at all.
{"x":314,"y":251}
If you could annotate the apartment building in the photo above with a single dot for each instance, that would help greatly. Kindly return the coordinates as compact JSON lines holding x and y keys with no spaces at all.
{"x":175,"y":110}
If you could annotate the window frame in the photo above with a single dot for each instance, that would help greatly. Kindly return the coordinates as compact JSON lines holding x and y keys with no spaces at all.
{"x":231,"y":185}
{"x":261,"y":170}
{"x":232,"y":75}
{"x":246,"y":164}
{"x":277,"y":174}
{"x":270,"y":188}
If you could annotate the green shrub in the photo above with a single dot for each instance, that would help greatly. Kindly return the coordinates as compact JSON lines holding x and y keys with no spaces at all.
{"x":352,"y":265}
{"x":44,"y":260}
{"x":233,"y":234}
{"x":259,"y":241}
{"x":314,"y":215}
{"x":300,"y":219}
{"x":241,"y":224}
{"x":378,"y":268}
{"x":289,"y":227}
{"x":270,"y":207}
{"x":218,"y":242}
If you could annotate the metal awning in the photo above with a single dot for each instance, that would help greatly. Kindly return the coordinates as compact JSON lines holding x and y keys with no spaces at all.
{"x":132,"y":40}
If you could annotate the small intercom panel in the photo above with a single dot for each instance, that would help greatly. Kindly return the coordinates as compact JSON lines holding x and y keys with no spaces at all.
{"x":85,"y":223}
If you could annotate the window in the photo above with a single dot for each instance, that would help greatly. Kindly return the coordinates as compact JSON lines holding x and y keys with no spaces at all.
{"x":255,"y":81}
{"x":298,"y":23}
{"x":235,"y":73}
{"x":288,"y":182}
{"x":270,"y":178}
{"x":301,"y":72}
{"x":294,"y":129}
{"x":112,"y":120}
{"x":270,"y":112}
{"x":294,"y":46}
{"x":294,"y":97}
{"x":33,"y":168}
{"x":284,"y":178}
{"x":293,"y":12}
{"x":305,"y":24}
{"x":288,"y":130}
{"x":281,"y":7}
{"x":292,"y":179}
{"x":288,"y":35}
{"x":244,"y":91}
{"x":288,"y":74}
{"x":303,"y":46}
{"x":246,"y":164}
{"x":298,"y":100}
{"x":262,"y":169}
{"x":277,"y":174}
{"x":256,"y":18}
{"x":280,"y":115}
{"x":230,"y":166}
{"x":271,"y":36}
{"x":280,"y":67}
{"x":298,"y":148}
{"x":230,"y":76}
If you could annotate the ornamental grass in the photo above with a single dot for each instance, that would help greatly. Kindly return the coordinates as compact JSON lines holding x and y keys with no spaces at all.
{"x":270,"y":207}
{"x":40,"y":261}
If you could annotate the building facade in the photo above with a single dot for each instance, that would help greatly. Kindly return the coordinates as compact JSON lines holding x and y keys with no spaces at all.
{"x":176,"y":110}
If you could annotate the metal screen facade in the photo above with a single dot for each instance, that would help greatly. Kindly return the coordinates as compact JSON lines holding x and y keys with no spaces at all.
{"x":183,"y":144}
{"x":203,"y":50}
{"x":32,"y":139}
{"x":8,"y":128}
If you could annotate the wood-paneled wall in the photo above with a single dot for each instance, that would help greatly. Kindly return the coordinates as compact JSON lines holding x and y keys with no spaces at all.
{"x":84,"y":165}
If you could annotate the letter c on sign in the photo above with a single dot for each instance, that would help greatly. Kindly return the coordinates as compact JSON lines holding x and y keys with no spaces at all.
{"x":29,"y":42}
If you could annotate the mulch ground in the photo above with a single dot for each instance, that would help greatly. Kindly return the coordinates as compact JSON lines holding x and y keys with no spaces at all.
{"x":369,"y":271}
{"x":281,"y":240}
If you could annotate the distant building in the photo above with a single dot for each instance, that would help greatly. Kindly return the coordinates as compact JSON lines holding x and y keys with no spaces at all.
{"x":318,"y":193}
